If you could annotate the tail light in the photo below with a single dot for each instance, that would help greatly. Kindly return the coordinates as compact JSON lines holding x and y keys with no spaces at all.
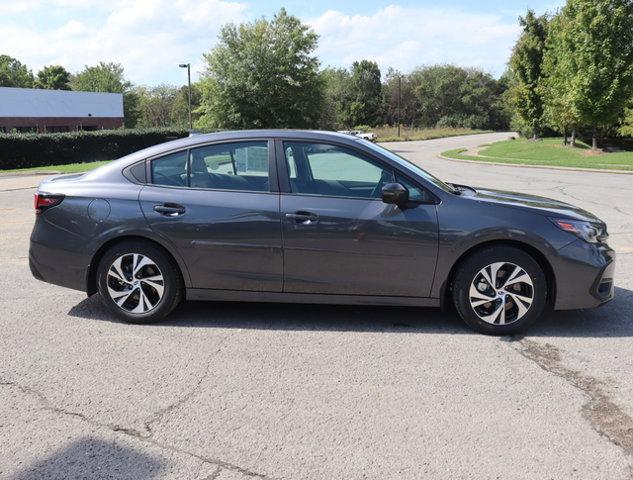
{"x":43,"y":201}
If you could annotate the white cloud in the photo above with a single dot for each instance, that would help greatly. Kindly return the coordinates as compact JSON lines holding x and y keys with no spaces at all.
{"x":8,"y":7}
{"x":151,"y":37}
{"x":148,"y":37}
{"x":404,"y":38}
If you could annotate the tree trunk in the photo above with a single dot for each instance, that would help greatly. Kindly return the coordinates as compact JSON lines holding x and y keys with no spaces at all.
{"x":594,"y":140}
{"x":573,"y":137}
{"x":565,"y":137}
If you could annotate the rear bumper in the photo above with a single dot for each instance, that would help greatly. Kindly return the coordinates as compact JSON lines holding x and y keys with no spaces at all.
{"x":584,"y":275}
{"x":58,"y":266}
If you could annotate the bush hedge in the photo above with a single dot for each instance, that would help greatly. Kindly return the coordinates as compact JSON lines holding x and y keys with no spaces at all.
{"x":18,"y":150}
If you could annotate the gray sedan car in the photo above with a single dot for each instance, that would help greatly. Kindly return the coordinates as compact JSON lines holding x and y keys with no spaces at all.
{"x":312,"y":217}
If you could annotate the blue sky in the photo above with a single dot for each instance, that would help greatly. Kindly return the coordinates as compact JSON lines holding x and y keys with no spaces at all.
{"x":150,"y":37}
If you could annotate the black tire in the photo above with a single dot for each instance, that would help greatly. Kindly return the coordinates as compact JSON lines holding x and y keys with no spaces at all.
{"x":468,"y":272}
{"x":173,"y":288}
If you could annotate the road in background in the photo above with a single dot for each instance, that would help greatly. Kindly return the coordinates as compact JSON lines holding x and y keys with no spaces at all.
{"x":232,"y":391}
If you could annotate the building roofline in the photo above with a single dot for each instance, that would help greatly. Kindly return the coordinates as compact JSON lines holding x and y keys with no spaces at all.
{"x":63,"y":92}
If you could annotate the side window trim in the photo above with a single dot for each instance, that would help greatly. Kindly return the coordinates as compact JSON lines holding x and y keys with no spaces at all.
{"x":188,"y":167}
{"x":283,"y":175}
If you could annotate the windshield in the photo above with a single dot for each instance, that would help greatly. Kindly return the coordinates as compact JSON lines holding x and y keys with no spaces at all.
{"x":410,"y":165}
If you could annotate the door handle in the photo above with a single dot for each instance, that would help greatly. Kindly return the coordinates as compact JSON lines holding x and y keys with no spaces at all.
{"x":303,"y":217}
{"x":169,"y":209}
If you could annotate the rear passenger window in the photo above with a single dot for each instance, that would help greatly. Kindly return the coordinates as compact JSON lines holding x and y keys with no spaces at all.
{"x":231,"y":166}
{"x":226,"y":166}
{"x":170,"y":170}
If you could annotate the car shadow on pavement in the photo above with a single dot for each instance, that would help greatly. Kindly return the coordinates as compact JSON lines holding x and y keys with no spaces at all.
{"x":94,"y":458}
{"x":612,"y":320}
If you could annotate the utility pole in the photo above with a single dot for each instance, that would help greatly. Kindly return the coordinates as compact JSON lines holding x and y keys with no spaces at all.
{"x":399,"y":100}
{"x":188,"y":67}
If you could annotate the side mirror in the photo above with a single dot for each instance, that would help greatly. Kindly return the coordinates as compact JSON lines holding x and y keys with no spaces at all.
{"x":395,"y":193}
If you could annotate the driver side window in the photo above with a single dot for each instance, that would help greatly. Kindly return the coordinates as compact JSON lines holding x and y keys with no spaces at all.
{"x":331,"y":170}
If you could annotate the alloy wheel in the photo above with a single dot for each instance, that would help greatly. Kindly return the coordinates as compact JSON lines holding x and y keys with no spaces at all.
{"x":501,"y":293}
{"x":135,"y":283}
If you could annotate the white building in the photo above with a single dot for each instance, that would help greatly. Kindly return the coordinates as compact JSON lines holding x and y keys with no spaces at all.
{"x":38,"y":110}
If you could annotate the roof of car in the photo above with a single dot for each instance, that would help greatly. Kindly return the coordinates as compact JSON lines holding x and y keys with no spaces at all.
{"x":200,"y":139}
{"x":272,"y":133}
{"x":196,"y":139}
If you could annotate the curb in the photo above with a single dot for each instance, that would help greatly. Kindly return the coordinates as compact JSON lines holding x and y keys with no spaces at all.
{"x":545,"y":167}
{"x":29,"y":174}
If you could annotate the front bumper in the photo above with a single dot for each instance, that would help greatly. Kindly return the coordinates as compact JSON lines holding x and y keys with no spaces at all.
{"x":584,"y":275}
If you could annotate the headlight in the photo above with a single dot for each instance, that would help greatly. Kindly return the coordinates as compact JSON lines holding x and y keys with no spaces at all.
{"x":591,"y":232}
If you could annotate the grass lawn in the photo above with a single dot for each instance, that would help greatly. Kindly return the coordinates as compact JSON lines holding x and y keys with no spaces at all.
{"x":390,"y":134}
{"x":546,"y":152}
{"x":69,"y":168}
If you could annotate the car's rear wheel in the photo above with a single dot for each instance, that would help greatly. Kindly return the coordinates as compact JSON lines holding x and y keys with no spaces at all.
{"x":139,"y":281}
{"x":500,"y":290}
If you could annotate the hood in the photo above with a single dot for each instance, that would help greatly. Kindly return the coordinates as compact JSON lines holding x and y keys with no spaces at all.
{"x":544,"y":205}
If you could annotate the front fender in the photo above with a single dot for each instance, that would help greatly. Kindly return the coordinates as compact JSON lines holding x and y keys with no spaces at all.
{"x":463,"y":230}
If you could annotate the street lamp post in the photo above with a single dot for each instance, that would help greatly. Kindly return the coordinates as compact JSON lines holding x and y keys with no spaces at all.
{"x":188,"y":67}
{"x":399,"y":101}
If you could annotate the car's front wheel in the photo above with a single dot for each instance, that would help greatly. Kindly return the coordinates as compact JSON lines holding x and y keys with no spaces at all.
{"x":139,"y":281}
{"x":500,"y":290}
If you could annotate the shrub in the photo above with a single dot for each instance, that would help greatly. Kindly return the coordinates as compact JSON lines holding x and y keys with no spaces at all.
{"x":36,"y":150}
{"x":463,"y":121}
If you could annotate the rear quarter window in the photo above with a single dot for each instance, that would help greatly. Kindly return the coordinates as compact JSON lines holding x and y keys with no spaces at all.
{"x":170,"y":170}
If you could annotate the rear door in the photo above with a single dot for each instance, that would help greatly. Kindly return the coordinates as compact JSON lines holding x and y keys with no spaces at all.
{"x":219,"y":207}
{"x":339,"y":237}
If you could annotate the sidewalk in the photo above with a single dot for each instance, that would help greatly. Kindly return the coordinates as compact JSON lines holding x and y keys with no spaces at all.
{"x":21,"y":182}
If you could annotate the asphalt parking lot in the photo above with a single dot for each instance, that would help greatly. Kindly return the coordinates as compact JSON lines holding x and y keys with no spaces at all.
{"x":234,"y":391}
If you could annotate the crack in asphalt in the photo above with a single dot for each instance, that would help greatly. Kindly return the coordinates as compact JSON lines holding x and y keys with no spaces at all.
{"x":215,"y":474}
{"x":606,"y":417}
{"x":147,"y":435}
{"x":157,"y":417}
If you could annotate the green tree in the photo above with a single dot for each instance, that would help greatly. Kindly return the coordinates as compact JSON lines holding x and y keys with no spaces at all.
{"x":336,"y":97}
{"x":104,"y":77}
{"x":14,"y":73}
{"x":155,"y":105}
{"x":180,"y":107}
{"x":262,"y":74}
{"x":501,"y":105}
{"x":110,"y":78}
{"x":626,"y":127}
{"x":526,"y":64}
{"x":598,"y":36}
{"x":164,"y":105}
{"x":556,"y":86}
{"x":451,"y":96}
{"x":399,"y":90}
{"x":365,"y":89}
{"x":53,"y":77}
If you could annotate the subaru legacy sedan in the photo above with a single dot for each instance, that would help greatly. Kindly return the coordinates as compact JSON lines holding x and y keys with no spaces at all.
{"x":312,"y":217}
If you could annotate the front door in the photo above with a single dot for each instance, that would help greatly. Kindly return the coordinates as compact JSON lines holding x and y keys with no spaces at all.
{"x":216,"y":206}
{"x":340,"y":238}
